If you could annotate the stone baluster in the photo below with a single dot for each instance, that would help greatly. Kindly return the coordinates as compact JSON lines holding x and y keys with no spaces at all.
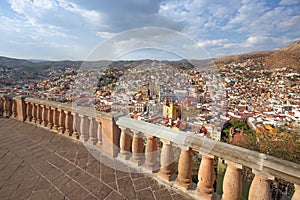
{"x":61,"y":121}
{"x":76,"y":125}
{"x":15,"y":111}
{"x":68,"y":123}
{"x":167,"y":161}
{"x":93,"y":130}
{"x":151,"y":154}
{"x":137,"y":148}
{"x":44,"y":115}
{"x":47,"y":110}
{"x":1,"y":106}
{"x":3,"y":103}
{"x":206,"y":177}
{"x":28,"y":112}
{"x":34,"y":111}
{"x":232,"y":184}
{"x":124,"y":144}
{"x":14,"y":108}
{"x":50,"y":117}
{"x":84,"y":128}
{"x":55,"y":119}
{"x":9,"y":107}
{"x":38,"y":114}
{"x":296,"y":195}
{"x":184,"y":178}
{"x":99,"y":132}
{"x":4,"y":108}
{"x":260,"y":186}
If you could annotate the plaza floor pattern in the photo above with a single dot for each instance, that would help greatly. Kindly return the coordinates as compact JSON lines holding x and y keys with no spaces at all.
{"x":36,"y":163}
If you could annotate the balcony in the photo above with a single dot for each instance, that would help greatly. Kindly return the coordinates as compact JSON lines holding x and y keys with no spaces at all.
{"x":149,"y":150}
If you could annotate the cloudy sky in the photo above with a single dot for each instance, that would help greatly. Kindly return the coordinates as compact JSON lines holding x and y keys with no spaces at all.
{"x":60,"y":29}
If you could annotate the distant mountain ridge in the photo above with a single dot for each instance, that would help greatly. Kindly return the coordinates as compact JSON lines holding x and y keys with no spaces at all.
{"x":14,"y":62}
{"x":36,"y":60}
{"x":288,"y":57}
{"x":28,"y":65}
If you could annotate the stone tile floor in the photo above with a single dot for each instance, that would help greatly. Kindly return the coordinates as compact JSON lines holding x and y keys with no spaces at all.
{"x":39,"y":164}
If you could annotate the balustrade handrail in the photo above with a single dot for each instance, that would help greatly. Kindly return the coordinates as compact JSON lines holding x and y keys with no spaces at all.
{"x":69,"y":107}
{"x":4,"y":95}
{"x":263,"y":163}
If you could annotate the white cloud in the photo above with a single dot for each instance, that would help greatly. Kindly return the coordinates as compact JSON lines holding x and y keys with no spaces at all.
{"x":253,"y":41}
{"x":292,"y":22}
{"x":257,"y":17}
{"x":10,"y":25}
{"x":148,"y":40}
{"x":200,"y":16}
{"x":289,"y":2}
{"x":221,"y":47}
{"x":31,"y":29}
{"x":93,"y":17}
{"x":221,"y":27}
{"x":212,"y":43}
{"x":258,"y":41}
{"x":105,"y":35}
{"x":247,"y":16}
{"x":31,"y":9}
{"x":39,"y":11}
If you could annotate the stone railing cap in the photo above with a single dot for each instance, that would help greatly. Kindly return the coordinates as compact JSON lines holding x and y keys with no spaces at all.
{"x":4,"y":95}
{"x":257,"y":161}
{"x":21,"y":97}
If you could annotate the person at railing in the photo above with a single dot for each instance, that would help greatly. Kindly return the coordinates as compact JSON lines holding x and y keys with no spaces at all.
{"x":239,"y":138}
{"x":168,"y":122}
{"x":203,"y":132}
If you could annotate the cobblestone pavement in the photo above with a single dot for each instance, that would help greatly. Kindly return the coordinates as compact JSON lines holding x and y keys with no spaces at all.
{"x":39,"y":164}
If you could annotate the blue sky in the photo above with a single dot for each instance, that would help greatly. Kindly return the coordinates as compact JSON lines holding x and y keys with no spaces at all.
{"x":60,"y":29}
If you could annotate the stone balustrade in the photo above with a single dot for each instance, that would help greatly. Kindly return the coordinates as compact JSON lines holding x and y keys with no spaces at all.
{"x":264,"y":167}
{"x":151,"y":147}
{"x":13,"y":108}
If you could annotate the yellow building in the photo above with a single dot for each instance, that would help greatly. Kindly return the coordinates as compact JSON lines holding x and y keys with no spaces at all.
{"x":171,"y":110}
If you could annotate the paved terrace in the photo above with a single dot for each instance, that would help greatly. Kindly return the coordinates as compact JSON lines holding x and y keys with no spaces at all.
{"x":36,"y":163}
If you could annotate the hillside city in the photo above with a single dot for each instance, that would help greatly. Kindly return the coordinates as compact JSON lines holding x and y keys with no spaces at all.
{"x":179,"y":95}
{"x":242,"y":100}
{"x":151,"y":100}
